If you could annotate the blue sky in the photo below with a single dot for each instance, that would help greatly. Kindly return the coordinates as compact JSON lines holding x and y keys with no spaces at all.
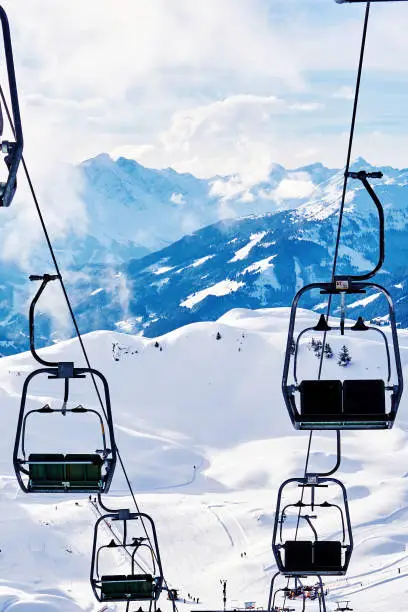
{"x":214,"y":87}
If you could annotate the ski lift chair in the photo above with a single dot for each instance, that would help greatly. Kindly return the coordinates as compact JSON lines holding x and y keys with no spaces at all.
{"x":343,"y":606}
{"x":348,"y":404}
{"x":286,"y":591}
{"x":12,"y":150}
{"x":314,"y":557}
{"x":44,"y":472}
{"x":342,"y":404}
{"x":132,"y":586}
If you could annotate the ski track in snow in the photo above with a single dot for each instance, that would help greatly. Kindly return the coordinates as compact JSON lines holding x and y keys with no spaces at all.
{"x":231,"y":525}
{"x":217,"y":513}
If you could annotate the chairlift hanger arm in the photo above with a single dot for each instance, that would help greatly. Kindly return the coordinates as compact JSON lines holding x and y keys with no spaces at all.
{"x":45,"y":278}
{"x":137,"y":549}
{"x":308,"y":520}
{"x":363,"y":176}
{"x":14,"y":150}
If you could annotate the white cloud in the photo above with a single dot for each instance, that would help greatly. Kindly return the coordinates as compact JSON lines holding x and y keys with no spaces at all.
{"x":177,"y":198}
{"x":231,"y":187}
{"x":307,"y":106}
{"x":224,"y":137}
{"x":105,"y":74}
{"x":198,"y":86}
{"x":21,"y":234}
{"x":344,"y":92}
{"x":294,"y":188}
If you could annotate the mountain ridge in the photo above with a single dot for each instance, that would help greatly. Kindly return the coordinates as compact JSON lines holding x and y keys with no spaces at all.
{"x":254,"y":261}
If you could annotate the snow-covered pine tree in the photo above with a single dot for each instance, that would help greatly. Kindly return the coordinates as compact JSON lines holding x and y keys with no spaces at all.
{"x":328,"y":353}
{"x":344,"y":357}
{"x":317,"y":347}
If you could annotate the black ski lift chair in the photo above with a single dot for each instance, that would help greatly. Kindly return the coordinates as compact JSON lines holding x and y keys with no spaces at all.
{"x":343,"y":606}
{"x":12,"y":150}
{"x":132,"y":586}
{"x":348,"y":404}
{"x":44,"y":472}
{"x":370,"y":403}
{"x":314,"y":557}
{"x":286,"y":591}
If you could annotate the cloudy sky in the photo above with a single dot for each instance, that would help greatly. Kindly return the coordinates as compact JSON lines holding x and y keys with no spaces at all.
{"x":211,"y":87}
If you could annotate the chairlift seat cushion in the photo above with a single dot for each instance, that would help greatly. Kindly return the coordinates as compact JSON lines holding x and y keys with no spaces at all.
{"x":327,"y":555}
{"x":46,"y":472}
{"x":84,"y":474}
{"x":298,"y":555}
{"x":364,"y":397}
{"x":113,"y":586}
{"x":132,"y":587}
{"x":141,"y":585}
{"x":320,"y":397}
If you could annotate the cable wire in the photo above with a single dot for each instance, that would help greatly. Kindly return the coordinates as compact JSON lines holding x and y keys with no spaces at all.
{"x":337,"y":244}
{"x":347,"y":167}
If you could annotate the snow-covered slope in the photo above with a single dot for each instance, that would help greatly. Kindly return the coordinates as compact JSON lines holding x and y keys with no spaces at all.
{"x":185,"y":400}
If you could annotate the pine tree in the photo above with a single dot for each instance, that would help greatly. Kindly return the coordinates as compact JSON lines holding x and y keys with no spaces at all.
{"x":344,"y":357}
{"x":317,"y":347}
{"x":328,"y":353}
{"x":218,"y":336}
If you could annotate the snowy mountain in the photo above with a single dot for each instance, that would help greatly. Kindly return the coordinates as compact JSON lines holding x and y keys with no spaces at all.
{"x":259,"y":261}
{"x":187,"y":399}
{"x":250,"y":261}
{"x":133,"y":207}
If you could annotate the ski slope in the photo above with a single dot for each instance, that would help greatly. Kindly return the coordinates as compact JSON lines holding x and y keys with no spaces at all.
{"x":207,"y":441}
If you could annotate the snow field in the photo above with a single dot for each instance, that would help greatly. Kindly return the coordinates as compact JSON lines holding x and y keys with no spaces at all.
{"x":207,"y":441}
